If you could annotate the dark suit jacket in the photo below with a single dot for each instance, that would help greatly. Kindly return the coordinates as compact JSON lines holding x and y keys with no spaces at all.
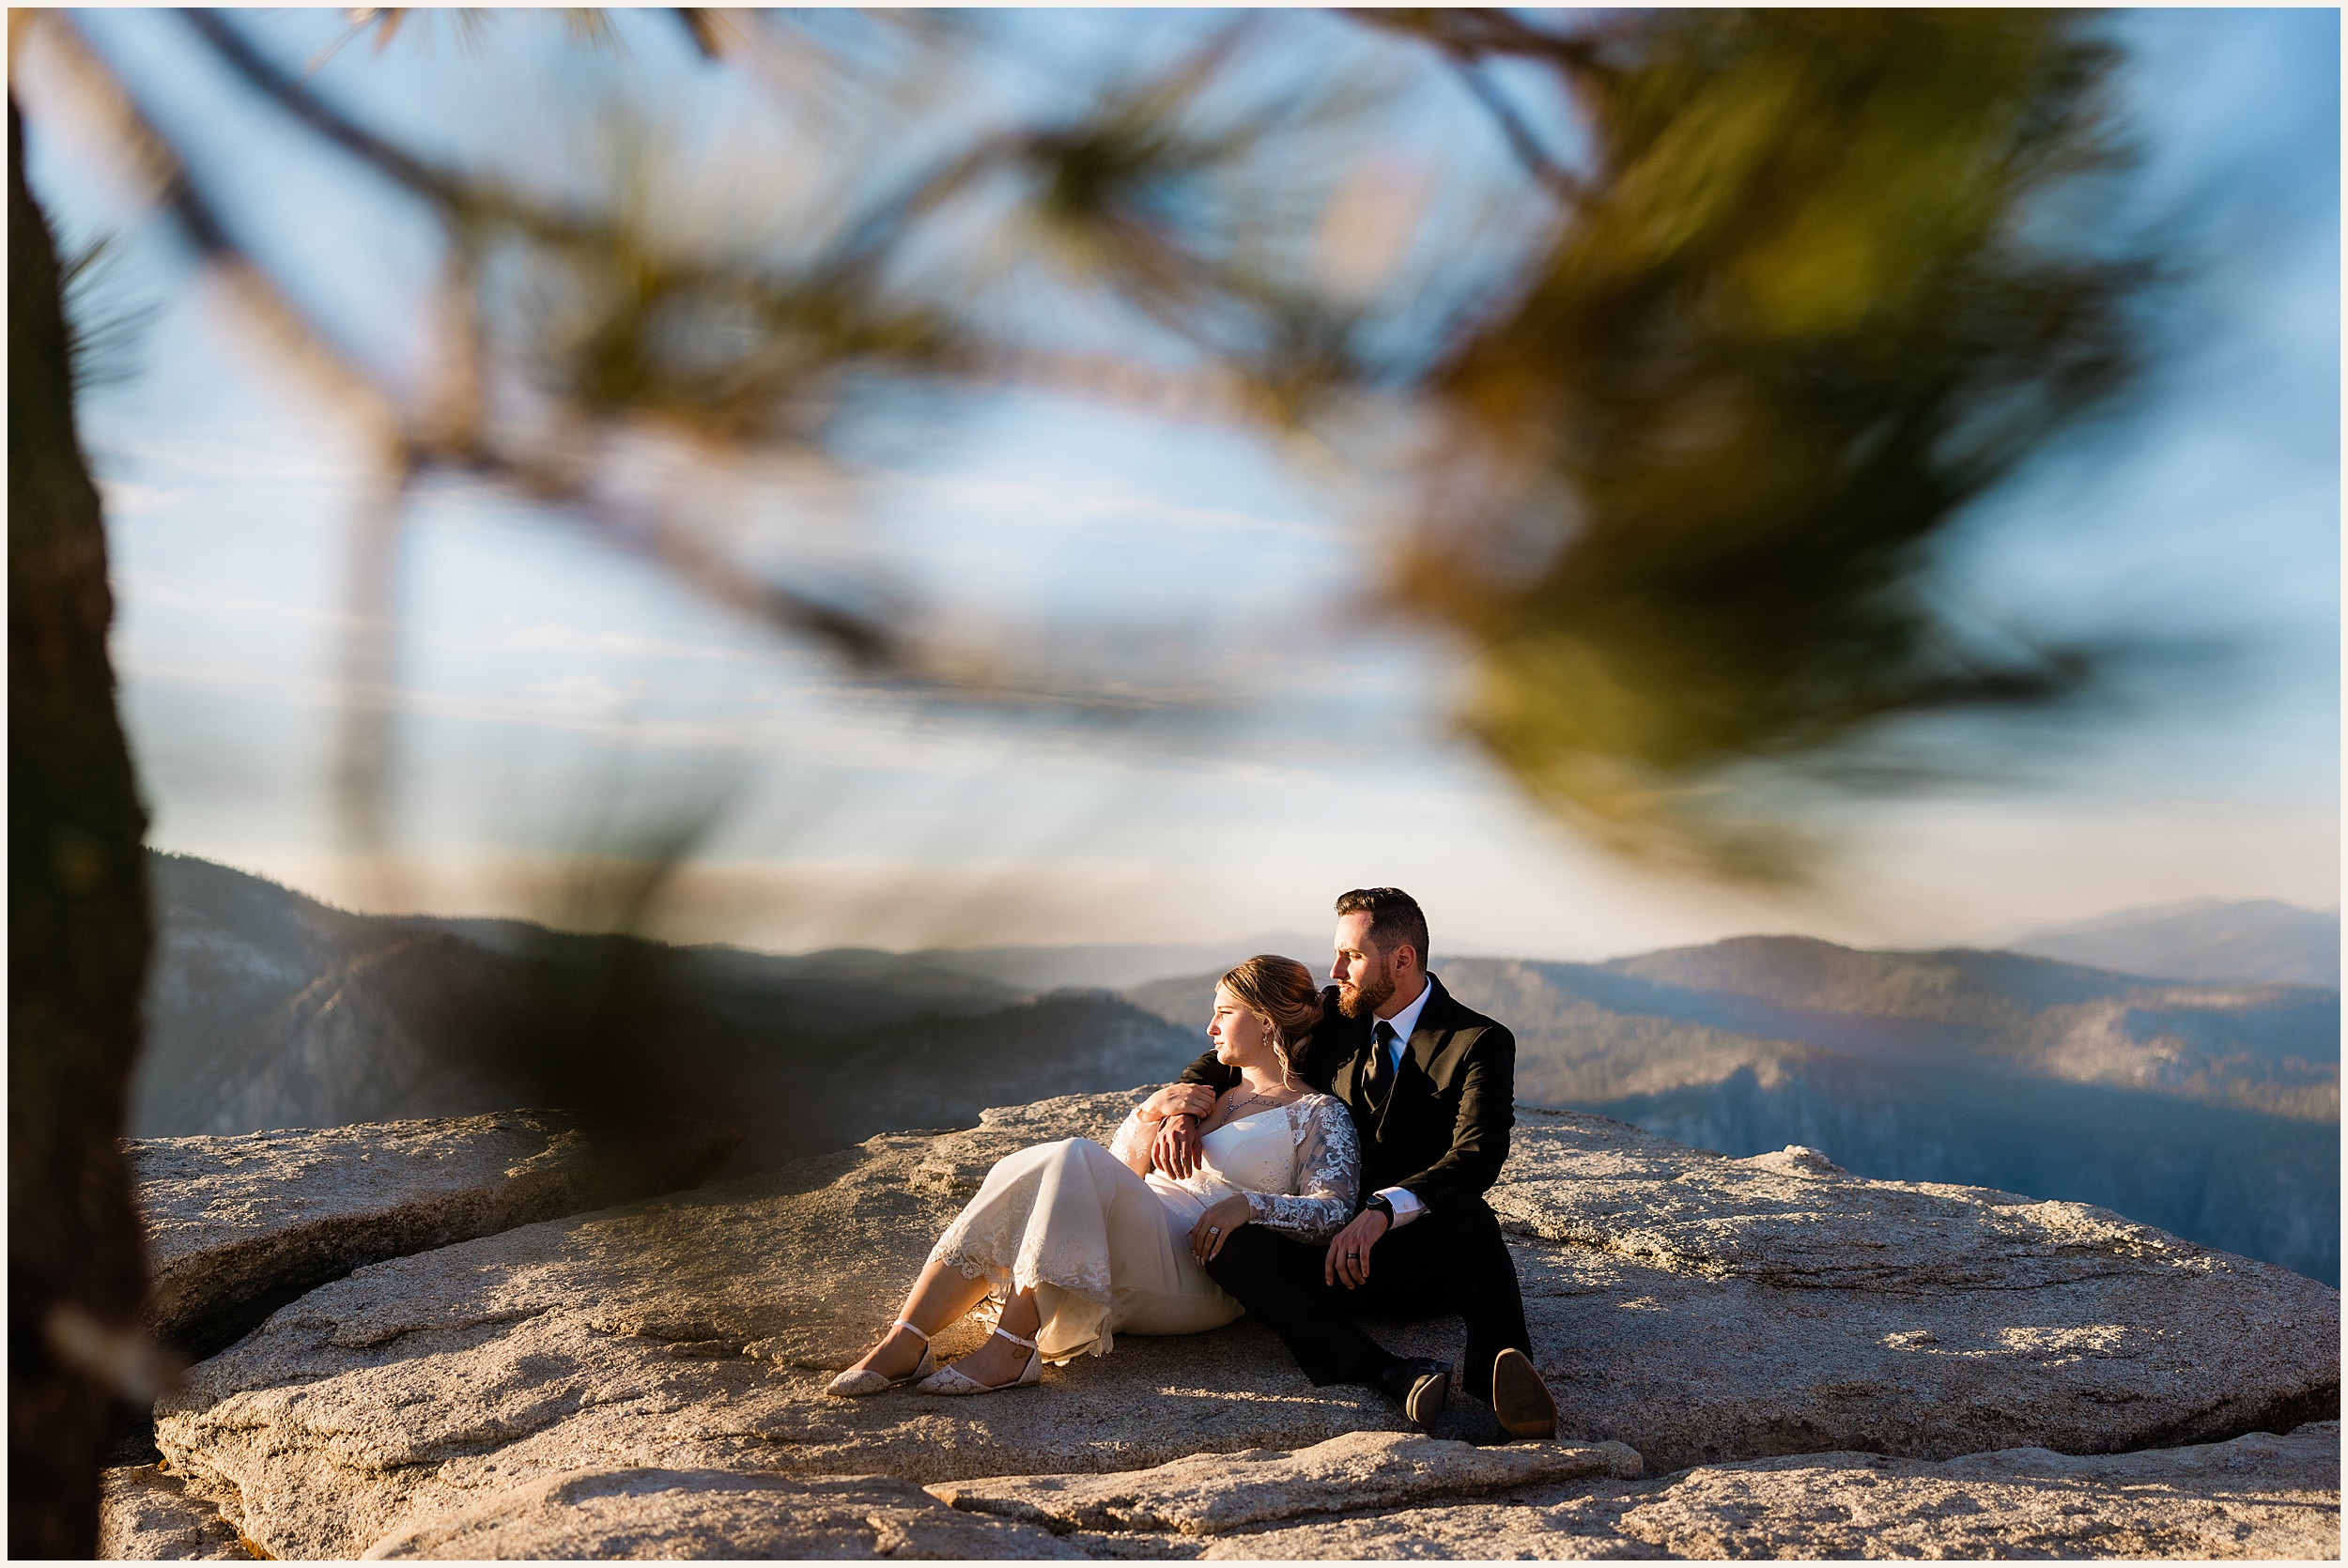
{"x":1444,"y":1133}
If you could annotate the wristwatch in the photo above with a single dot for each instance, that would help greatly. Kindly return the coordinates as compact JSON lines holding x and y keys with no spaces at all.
{"x":1383,"y":1204}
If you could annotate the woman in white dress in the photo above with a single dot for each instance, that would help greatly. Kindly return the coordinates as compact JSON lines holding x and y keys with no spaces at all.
{"x":1077,"y":1241}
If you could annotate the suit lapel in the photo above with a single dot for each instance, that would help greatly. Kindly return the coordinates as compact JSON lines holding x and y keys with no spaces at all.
{"x":1347,"y":1080}
{"x":1419,"y":1050}
{"x":1426,"y":1038}
{"x":1426,"y":1042}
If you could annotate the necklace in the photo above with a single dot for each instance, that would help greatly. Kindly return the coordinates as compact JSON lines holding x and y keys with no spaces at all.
{"x":1232,"y":1108}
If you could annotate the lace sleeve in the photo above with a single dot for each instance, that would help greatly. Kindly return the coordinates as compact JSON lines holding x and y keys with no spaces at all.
{"x":1328,"y":1174}
{"x":1131,"y":1142}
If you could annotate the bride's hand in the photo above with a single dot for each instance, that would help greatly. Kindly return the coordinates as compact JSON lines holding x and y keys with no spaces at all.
{"x":1214,"y":1227}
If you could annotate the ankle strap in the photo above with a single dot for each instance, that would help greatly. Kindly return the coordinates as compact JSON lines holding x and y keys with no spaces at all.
{"x":1016,"y":1339}
{"x":910,"y":1328}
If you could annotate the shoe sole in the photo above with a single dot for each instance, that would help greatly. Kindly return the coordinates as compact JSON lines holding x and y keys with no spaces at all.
{"x":1425,"y":1401}
{"x":1521,"y":1399}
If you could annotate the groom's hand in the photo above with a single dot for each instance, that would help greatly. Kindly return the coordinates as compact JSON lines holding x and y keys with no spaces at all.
{"x":1177,"y":1109}
{"x":1348,"y":1263}
{"x":1177,"y":1151}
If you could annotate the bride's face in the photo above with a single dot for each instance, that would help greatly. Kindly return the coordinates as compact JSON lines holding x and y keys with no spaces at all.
{"x":1237,"y":1032}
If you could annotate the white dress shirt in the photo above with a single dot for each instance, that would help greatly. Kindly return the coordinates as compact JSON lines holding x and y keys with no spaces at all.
{"x":1406,"y":1204}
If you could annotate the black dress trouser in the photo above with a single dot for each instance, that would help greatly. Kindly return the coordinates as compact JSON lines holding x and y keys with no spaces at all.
{"x":1451,"y":1261}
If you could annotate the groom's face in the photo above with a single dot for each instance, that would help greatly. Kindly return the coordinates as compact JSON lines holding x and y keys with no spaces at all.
{"x":1365,"y":975}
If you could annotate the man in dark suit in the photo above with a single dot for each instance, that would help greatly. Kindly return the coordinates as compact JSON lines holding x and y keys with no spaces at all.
{"x":1431,"y":1085}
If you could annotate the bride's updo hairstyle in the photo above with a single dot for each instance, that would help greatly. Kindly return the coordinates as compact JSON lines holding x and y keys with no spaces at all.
{"x":1281,"y":993}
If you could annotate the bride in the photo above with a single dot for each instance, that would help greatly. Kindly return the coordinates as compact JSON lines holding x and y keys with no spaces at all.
{"x":1077,"y":1241}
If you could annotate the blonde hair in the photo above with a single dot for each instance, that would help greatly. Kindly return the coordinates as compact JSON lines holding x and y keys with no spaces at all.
{"x":1282,"y":996}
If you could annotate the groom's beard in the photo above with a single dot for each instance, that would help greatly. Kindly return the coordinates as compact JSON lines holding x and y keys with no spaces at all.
{"x":1368,"y":997}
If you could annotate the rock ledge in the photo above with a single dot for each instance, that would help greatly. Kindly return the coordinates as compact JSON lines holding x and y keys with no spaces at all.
{"x":647,"y":1381}
{"x":239,"y":1226}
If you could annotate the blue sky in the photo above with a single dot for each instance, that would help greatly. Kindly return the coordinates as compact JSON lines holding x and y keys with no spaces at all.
{"x":546,"y":677}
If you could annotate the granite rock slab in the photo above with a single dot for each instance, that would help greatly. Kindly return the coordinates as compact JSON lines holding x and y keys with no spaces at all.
{"x":238,"y":1226}
{"x":1704,"y":1308}
{"x":603,"y":1514}
{"x":1210,"y":1494}
{"x":146,"y":1515}
{"x":2258,"y":1496}
{"x":1696,"y":1309}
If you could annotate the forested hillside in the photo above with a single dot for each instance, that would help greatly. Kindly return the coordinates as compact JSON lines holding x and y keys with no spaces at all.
{"x":266,"y":1009}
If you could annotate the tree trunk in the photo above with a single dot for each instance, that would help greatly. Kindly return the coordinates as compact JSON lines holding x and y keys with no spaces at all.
{"x":78,"y":934}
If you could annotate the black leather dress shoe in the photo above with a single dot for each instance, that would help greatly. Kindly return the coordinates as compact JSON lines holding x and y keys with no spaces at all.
{"x":1419,"y":1385}
{"x":1521,"y":1399}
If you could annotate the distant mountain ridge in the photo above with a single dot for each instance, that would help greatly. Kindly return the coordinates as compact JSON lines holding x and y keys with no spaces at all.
{"x":1110,"y":968}
{"x":266,"y":1009}
{"x":2259,"y":939}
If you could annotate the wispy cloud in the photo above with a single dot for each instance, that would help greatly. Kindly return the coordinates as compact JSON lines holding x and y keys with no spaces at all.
{"x":143,"y":591}
{"x":552,"y":637}
{"x":122,"y":499}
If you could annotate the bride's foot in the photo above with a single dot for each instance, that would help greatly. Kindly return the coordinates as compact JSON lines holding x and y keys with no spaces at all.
{"x":897,"y":1353}
{"x":902,"y":1357}
{"x":1000,"y":1359}
{"x":975,"y":1373}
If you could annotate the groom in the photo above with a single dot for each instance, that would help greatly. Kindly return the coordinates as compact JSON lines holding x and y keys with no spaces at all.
{"x":1432,"y":1086}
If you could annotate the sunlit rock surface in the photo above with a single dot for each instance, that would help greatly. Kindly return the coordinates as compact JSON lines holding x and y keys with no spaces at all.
{"x":516,"y":1394}
{"x":1214,"y":1493}
{"x":2256,"y":1497}
{"x":145,"y":1515}
{"x":238,"y":1226}
{"x":594,"y":1514}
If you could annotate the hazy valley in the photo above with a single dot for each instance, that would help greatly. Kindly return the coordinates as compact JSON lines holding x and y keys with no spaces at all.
{"x":2255,"y":939}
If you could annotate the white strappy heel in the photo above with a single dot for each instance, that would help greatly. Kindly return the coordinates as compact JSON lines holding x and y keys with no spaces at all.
{"x":955,"y":1381}
{"x":857,"y":1384}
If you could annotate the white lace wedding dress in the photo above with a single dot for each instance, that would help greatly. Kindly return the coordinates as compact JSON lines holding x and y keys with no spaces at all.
{"x":1105,"y":1249}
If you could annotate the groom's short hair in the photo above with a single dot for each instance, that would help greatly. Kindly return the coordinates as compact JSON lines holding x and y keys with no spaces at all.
{"x":1394,"y":918}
